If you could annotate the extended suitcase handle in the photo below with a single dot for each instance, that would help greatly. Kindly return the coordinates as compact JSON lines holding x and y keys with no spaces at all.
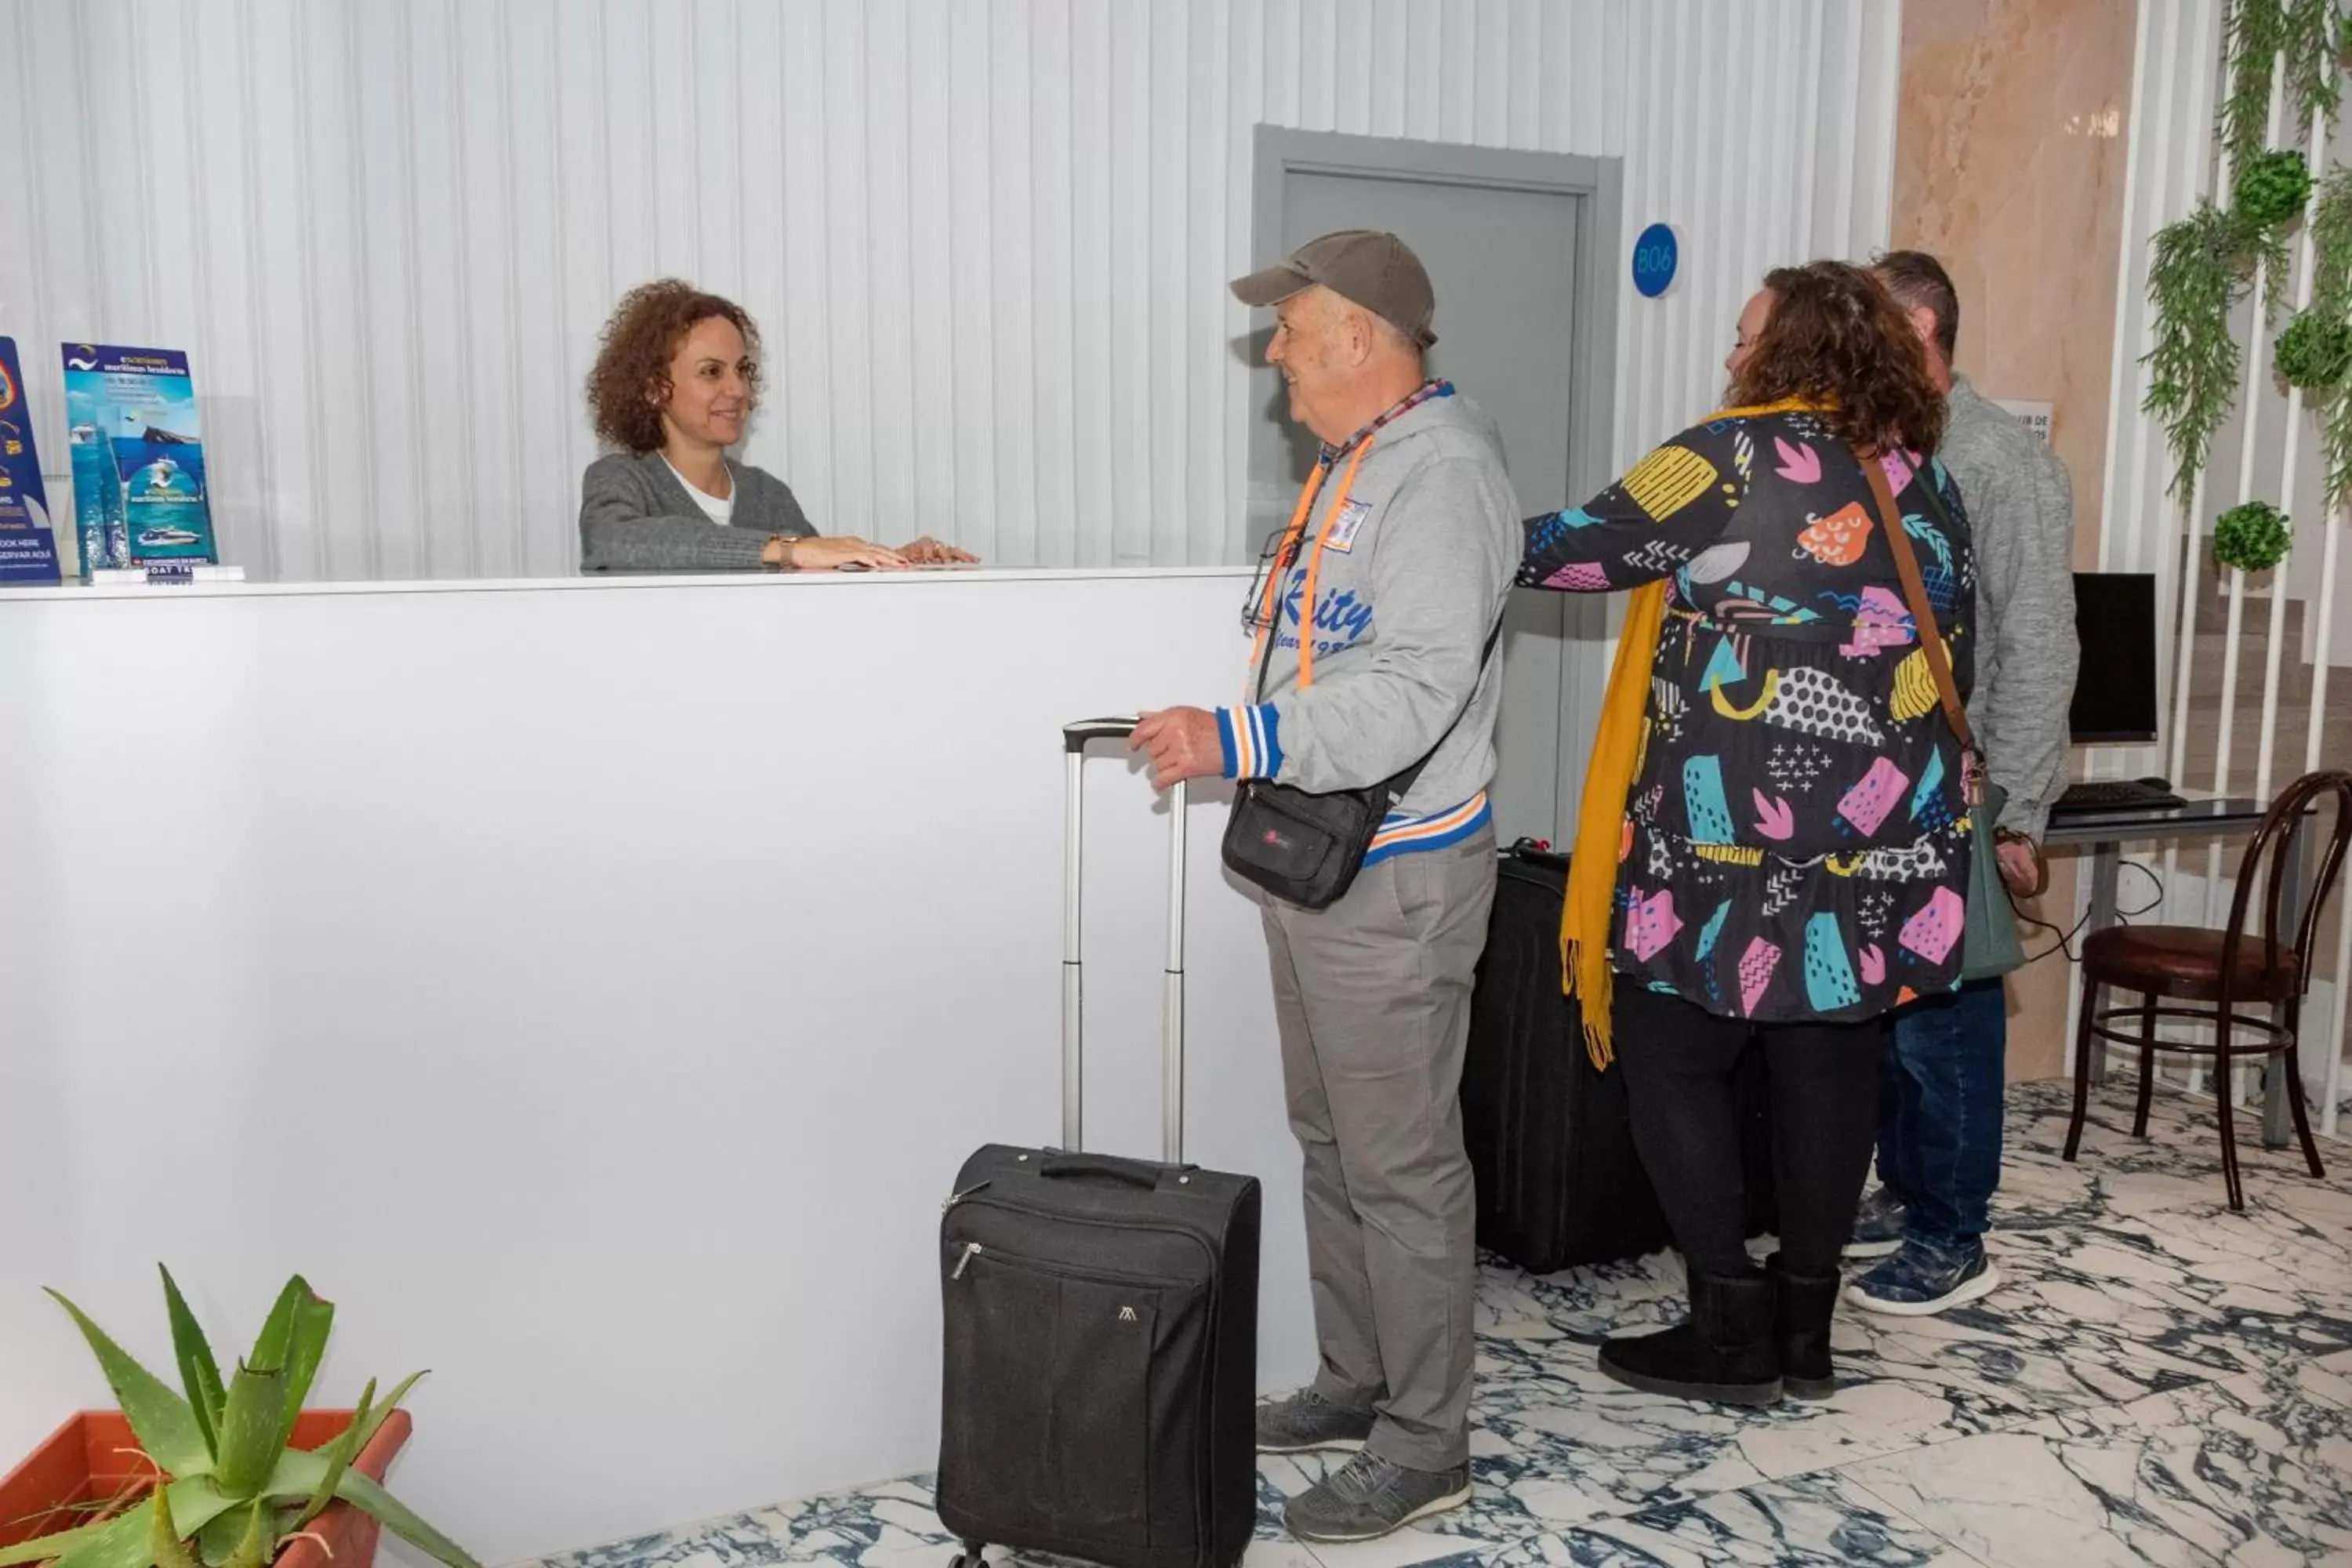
{"x":1075,"y":738}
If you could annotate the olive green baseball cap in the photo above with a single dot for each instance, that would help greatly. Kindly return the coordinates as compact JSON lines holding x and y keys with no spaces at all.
{"x":1371,"y":266}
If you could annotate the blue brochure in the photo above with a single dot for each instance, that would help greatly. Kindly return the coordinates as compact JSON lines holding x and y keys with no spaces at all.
{"x":28,"y":548}
{"x":137,"y":458}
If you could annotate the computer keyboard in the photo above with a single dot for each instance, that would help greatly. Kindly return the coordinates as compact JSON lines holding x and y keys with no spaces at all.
{"x":2116,"y":795}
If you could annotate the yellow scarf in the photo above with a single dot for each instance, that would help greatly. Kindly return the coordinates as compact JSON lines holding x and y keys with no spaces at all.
{"x":1600,"y":822}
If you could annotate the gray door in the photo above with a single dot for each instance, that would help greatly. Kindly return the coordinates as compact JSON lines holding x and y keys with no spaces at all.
{"x":1503,"y":263}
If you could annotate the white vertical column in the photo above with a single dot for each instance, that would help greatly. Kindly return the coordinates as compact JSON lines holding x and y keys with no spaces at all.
{"x":2162,"y":97}
{"x":2323,"y":651}
{"x":2315,"y":153}
{"x":2249,"y":407}
{"x":2334,"y":1090}
{"x":2317,"y":147}
{"x":2123,"y":385}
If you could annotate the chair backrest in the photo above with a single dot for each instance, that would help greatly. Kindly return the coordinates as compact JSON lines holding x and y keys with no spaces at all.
{"x":2274,"y":852}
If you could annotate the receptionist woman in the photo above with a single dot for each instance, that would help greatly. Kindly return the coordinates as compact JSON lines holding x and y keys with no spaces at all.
{"x":675,"y":380}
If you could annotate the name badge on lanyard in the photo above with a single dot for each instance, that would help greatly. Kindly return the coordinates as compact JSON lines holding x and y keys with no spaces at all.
{"x":1352,"y":516}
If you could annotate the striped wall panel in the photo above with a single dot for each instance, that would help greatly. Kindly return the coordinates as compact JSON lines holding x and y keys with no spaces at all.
{"x":986,"y":239}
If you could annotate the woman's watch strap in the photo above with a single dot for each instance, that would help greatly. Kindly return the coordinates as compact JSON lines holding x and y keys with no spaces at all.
{"x":2041,"y":862}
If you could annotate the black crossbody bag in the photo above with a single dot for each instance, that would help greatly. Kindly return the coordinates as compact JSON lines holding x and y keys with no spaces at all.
{"x":1305,"y":848}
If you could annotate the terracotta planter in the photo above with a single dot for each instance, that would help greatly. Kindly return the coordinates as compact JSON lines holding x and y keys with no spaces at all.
{"x":93,"y":1456}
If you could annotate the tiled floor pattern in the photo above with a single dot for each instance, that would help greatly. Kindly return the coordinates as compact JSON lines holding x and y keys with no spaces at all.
{"x":2158,"y":1381}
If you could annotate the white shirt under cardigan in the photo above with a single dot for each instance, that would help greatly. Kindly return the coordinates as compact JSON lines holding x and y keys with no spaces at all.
{"x":719,"y":509}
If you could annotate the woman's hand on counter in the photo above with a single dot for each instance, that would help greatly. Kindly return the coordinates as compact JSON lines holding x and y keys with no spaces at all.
{"x":830,"y":554}
{"x":930,"y":551}
{"x":851,"y":554}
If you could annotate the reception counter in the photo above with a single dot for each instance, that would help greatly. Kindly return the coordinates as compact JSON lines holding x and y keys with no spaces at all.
{"x":593,"y":988}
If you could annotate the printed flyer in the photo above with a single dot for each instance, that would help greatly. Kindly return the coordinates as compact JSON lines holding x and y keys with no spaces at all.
{"x":28,"y":548}
{"x":137,"y":458}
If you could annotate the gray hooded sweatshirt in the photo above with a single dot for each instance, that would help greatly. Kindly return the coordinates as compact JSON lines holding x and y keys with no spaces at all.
{"x":1414,"y":573}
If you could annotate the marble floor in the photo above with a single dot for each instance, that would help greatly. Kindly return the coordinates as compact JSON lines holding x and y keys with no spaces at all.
{"x":2157,"y":1381}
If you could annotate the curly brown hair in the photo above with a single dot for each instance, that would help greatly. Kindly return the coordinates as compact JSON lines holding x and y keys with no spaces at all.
{"x":631,"y":376}
{"x":1837,"y":338}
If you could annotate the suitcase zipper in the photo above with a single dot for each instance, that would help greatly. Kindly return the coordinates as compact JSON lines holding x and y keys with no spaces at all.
{"x":972,"y":1249}
{"x":955,"y":1198}
{"x":1208,"y":1249}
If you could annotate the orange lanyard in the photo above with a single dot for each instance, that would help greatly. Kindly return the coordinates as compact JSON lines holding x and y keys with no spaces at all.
{"x":1268,"y":611}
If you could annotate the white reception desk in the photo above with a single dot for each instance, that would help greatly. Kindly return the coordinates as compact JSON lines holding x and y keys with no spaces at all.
{"x":593,"y":988}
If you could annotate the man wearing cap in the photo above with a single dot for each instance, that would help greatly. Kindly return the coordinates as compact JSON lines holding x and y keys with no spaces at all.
{"x":1369,"y":633}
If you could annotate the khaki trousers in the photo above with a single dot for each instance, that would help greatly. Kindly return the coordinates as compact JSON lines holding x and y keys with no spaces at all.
{"x":1372,"y":998}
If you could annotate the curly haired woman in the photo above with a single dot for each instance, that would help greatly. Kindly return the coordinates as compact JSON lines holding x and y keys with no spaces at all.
{"x":675,"y":382}
{"x":1774,"y":846}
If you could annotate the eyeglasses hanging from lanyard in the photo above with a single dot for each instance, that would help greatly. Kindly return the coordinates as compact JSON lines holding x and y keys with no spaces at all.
{"x":1264,"y":608}
{"x":1259,"y":608}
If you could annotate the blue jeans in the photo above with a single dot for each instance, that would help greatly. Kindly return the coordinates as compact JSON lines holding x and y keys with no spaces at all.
{"x":1939,"y":1109}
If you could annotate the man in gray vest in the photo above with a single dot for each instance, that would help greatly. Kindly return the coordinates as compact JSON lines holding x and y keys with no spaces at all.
{"x":1369,"y":627}
{"x":1940,"y":1094}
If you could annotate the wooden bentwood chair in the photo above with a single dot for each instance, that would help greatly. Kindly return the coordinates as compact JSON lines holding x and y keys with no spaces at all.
{"x":2229,"y":968}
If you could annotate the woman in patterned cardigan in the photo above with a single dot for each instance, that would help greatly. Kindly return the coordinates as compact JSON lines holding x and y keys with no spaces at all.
{"x":1774,"y":844}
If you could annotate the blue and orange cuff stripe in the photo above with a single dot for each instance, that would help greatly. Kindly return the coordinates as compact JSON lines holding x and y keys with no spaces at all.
{"x":1251,"y":740}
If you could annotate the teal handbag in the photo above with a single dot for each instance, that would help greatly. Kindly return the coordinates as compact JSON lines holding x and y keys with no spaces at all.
{"x":1990,"y":947}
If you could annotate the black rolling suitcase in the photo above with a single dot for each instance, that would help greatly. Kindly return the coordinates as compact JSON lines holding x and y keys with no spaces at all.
{"x":1101,"y":1316}
{"x":1550,"y":1142}
{"x":1558,"y":1182}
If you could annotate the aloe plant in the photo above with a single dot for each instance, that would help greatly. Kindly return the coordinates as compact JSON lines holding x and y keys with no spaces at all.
{"x":238,"y":1489}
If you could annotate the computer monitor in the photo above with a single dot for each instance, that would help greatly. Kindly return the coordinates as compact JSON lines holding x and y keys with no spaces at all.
{"x":2114,"y":695}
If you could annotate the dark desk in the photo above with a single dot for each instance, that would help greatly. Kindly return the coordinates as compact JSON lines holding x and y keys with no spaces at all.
{"x":2107,"y":832}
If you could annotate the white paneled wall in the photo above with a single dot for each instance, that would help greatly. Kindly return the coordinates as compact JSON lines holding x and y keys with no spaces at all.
{"x":986,"y":239}
{"x":2173,"y":163}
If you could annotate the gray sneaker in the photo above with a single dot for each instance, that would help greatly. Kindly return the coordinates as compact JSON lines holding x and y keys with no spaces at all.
{"x":1927,"y":1277}
{"x":1878,"y":1225}
{"x":1307,"y":1421}
{"x":1368,"y":1497}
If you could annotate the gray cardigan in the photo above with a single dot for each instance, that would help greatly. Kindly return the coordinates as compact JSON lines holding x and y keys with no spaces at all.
{"x":635,"y":516}
{"x":2020,"y":510}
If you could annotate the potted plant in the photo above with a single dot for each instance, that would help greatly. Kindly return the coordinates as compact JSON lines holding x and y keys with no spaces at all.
{"x":212,"y":1475}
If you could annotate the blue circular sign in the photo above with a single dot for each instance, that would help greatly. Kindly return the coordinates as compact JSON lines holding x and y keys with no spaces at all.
{"x":1656,"y":255}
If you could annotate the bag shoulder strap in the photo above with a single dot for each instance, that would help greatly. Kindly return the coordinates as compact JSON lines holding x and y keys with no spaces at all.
{"x":1915,"y":593}
{"x":1931,"y":638}
{"x":1400,"y":785}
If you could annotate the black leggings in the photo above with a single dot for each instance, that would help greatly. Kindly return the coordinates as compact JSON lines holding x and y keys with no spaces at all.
{"x":1680,"y":1062}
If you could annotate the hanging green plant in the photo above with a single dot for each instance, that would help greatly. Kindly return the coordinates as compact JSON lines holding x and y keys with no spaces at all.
{"x":2251,"y":537}
{"x":2331,"y":301}
{"x":2198,"y":268}
{"x":2272,"y":188}
{"x":2315,"y":351}
{"x":2255,"y":31}
{"x":2201,"y":266}
{"x":2311,"y":36}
